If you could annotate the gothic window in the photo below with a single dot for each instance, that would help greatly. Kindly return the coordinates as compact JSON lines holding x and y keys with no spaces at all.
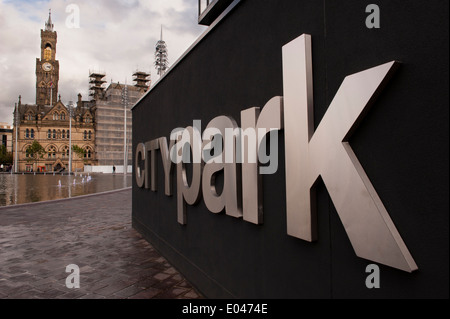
{"x":49,"y":134}
{"x":54,"y":116}
{"x":48,"y":52}
{"x":85,"y":135}
{"x":63,"y":116}
{"x":52,"y":152}
{"x":88,"y":119}
{"x":65,"y":151}
{"x":32,"y":134}
{"x":27,"y":133}
{"x":59,"y":134}
{"x":88,"y":153}
{"x":54,"y":134}
{"x":90,"y":135}
{"x":63,"y":134}
{"x":68,"y":134}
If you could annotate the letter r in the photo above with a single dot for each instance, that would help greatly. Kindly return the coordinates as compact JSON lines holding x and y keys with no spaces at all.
{"x":326,"y":153}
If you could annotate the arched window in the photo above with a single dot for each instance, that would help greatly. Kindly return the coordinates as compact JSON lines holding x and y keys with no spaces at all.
{"x":49,"y":134}
{"x":65,"y":151}
{"x":32,"y":133}
{"x":88,"y":119}
{"x":27,"y":152}
{"x":63,"y":136}
{"x":27,"y":133}
{"x":88,"y":153}
{"x":68,"y":134}
{"x":63,"y":116}
{"x":57,"y":116}
{"x":54,"y":116}
{"x":85,"y":135}
{"x":54,"y":134}
{"x":59,"y":134}
{"x":90,"y":135}
{"x":52,"y":152}
{"x":48,"y":52}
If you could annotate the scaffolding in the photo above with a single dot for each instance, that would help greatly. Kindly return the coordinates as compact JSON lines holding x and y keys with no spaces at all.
{"x":110,"y":119}
{"x":141,"y":80}
{"x":96,"y":85}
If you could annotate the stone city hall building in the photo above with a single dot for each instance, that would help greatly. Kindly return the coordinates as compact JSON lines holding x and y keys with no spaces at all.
{"x":48,"y":121}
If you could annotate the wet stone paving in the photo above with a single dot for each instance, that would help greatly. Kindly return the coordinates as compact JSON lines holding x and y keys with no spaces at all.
{"x":38,"y":241}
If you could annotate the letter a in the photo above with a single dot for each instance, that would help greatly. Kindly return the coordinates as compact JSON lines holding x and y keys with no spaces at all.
{"x":373,"y":280}
{"x":373,"y":19}
{"x":73,"y":280}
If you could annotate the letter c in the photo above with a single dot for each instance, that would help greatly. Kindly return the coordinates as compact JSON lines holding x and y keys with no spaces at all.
{"x":140,"y":173}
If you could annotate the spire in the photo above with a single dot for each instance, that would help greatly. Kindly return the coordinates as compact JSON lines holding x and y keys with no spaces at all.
{"x":49,"y":24}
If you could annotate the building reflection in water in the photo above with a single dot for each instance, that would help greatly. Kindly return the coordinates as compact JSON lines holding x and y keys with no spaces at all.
{"x":29,"y":188}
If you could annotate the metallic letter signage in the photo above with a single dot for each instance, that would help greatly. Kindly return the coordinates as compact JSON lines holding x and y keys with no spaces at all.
{"x":310,"y":154}
{"x":327,"y":153}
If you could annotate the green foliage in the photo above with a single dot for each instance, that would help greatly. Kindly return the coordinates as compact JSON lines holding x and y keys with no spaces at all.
{"x":78,"y":150}
{"x":35,"y":152}
{"x":5,"y":156}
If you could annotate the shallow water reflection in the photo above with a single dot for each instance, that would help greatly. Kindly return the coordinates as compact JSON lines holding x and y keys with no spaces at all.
{"x":28,"y":188}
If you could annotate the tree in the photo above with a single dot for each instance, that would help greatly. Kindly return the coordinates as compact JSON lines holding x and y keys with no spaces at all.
{"x":79,"y":151}
{"x":35,"y":152}
{"x":5,"y":156}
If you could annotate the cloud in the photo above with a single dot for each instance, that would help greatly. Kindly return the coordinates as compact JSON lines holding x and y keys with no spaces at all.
{"x":115,"y":36}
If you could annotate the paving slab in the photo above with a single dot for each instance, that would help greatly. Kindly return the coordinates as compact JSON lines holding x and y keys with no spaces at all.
{"x":38,"y":241}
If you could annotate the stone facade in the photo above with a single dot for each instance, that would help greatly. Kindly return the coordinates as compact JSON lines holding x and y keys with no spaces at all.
{"x":97,"y":124}
{"x":50,"y":127}
{"x":47,"y":121}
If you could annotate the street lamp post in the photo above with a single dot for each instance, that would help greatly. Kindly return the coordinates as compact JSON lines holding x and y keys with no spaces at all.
{"x":16,"y":160}
{"x":70,"y":136}
{"x":125,"y":148}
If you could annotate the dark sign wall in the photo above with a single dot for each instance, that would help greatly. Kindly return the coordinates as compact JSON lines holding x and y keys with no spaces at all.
{"x":402,"y":144}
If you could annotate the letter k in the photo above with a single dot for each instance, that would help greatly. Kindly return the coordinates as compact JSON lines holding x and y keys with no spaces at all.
{"x":326,"y":153}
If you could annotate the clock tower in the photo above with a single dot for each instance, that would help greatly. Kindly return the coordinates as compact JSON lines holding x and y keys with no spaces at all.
{"x":47,"y":67}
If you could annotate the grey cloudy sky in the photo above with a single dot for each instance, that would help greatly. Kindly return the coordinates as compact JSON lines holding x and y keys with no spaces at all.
{"x":115,"y":36}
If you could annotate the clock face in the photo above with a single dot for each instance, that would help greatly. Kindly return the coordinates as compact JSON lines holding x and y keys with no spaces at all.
{"x":47,"y":67}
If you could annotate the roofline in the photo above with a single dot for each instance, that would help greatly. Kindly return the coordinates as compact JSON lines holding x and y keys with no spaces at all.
{"x":199,"y":39}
